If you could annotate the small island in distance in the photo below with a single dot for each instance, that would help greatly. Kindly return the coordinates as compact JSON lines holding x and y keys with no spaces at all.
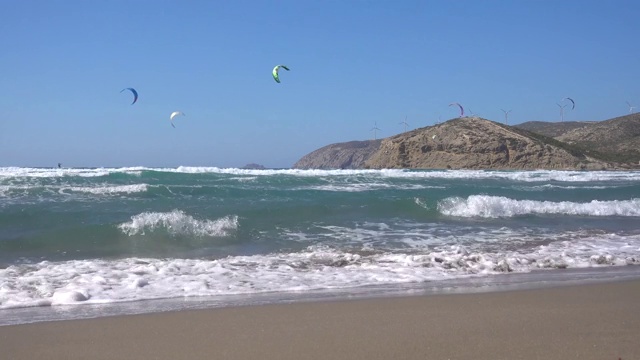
{"x":253,"y":166}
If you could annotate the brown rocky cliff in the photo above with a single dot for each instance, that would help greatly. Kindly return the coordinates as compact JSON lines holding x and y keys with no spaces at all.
{"x":474,"y":143}
{"x":464,"y":143}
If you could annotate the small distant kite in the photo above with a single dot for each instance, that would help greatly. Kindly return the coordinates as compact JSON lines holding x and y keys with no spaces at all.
{"x":573,"y":103}
{"x":461,"y":108}
{"x":134,"y":92}
{"x":173,"y":115}
{"x":275,"y":72}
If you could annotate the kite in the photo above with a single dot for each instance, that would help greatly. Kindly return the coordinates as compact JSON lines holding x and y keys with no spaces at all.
{"x":573,"y":103}
{"x":135,"y":94}
{"x":275,"y":72}
{"x":174,"y":114}
{"x":461,"y":108}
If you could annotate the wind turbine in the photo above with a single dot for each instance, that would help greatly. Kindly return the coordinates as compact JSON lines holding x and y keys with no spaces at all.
{"x":506,"y":116}
{"x":561,"y":111}
{"x":630,"y":108}
{"x":375,"y":131}
{"x":405,"y":123}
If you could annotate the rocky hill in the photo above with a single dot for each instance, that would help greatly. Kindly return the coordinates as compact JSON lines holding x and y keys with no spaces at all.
{"x":617,"y":139}
{"x":614,"y":140}
{"x":349,"y":155}
{"x":552,"y":129}
{"x":475,"y":143}
{"x":464,"y":143}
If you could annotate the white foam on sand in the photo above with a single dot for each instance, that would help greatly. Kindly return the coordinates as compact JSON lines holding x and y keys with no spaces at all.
{"x":317,"y":267}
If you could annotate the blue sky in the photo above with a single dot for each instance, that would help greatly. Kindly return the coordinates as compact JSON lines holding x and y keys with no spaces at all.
{"x":354,"y":63}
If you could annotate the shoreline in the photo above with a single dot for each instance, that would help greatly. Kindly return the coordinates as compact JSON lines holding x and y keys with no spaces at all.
{"x":537,"y":279}
{"x":585,"y":321}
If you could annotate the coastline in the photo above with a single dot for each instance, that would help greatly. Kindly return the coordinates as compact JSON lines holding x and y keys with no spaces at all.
{"x":587,"y":321}
{"x":537,"y":279}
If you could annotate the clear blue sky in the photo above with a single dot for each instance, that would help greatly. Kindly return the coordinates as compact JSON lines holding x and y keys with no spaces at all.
{"x":353,"y":63}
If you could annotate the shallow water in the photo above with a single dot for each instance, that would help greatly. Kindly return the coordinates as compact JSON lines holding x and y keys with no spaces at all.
{"x":119,"y":238}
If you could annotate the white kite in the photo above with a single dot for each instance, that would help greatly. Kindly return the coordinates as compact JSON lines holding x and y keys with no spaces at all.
{"x":174,"y":114}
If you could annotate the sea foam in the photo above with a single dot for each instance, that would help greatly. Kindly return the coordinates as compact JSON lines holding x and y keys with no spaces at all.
{"x":177,"y":222}
{"x":499,"y":206}
{"x":107,"y":190}
{"x":317,"y":267}
{"x":524,"y":176}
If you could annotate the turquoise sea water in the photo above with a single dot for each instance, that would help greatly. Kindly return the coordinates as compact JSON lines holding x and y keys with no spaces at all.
{"x":90,"y":242}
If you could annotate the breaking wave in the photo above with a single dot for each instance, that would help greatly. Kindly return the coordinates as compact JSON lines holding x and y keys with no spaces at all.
{"x":499,"y":206}
{"x":177,"y":222}
{"x":107,"y":190}
{"x":317,"y":267}
{"x":524,"y":176}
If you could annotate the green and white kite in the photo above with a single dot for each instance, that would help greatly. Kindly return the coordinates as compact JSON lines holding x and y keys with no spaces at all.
{"x":275,"y":72}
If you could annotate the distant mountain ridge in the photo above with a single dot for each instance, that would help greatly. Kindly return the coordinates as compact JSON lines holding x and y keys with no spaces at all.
{"x":476,"y":143}
{"x":614,"y":140}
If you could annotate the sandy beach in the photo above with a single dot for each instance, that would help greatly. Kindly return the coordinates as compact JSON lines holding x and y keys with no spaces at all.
{"x":594,"y":321}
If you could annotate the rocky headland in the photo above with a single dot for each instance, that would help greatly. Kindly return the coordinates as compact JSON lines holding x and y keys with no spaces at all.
{"x":476,"y":143}
{"x":349,"y":155}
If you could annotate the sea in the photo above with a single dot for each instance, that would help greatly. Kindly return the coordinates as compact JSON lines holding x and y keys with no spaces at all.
{"x":93,"y":242}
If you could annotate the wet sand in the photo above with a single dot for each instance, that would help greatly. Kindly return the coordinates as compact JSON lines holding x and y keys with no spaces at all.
{"x":596,"y":321}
